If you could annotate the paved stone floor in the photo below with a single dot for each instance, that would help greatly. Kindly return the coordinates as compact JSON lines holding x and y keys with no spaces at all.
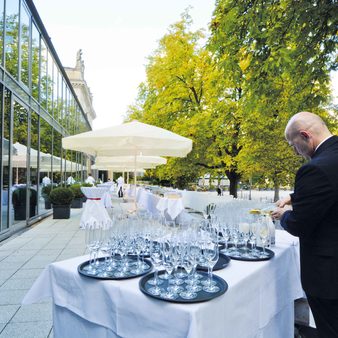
{"x":22,"y":258}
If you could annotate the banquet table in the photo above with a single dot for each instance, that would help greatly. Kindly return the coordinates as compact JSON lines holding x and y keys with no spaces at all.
{"x":94,"y":209}
{"x":170,"y":206}
{"x":258,"y":303}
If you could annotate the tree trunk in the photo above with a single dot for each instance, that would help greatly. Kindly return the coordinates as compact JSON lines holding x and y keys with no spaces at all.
{"x":234,"y":180}
{"x":276,"y":194}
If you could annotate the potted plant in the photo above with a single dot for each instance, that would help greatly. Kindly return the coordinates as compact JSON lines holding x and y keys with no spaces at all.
{"x":45,"y":192}
{"x":19,"y":202}
{"x":78,"y":196}
{"x":61,"y":199}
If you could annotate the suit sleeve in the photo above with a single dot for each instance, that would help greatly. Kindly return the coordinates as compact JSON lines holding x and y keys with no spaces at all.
{"x":312,"y":199}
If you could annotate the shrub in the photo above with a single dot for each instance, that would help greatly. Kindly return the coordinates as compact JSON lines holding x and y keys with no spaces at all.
{"x":19,"y":196}
{"x":61,"y":196}
{"x":86,"y":185}
{"x":46,"y":190}
{"x":76,"y":190}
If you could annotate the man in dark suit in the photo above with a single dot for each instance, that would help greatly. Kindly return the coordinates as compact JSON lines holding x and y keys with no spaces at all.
{"x":311,"y":213}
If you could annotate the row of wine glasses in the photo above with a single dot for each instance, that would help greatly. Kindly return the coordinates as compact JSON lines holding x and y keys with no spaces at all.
{"x":179,"y":255}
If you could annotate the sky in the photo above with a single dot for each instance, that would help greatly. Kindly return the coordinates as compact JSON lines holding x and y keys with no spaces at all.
{"x":116,"y":37}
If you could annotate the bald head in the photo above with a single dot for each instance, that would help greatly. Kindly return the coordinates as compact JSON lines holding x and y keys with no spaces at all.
{"x":305,"y":131}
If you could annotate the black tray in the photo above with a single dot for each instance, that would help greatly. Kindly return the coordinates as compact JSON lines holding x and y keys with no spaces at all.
{"x":223,"y":262}
{"x":270,"y":253}
{"x":131,"y":260}
{"x":202,"y":296}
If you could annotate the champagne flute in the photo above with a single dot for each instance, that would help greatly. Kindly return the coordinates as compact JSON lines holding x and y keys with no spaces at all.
{"x":188,"y":266}
{"x":211,"y":254}
{"x":264,"y":236}
{"x":156,"y":257}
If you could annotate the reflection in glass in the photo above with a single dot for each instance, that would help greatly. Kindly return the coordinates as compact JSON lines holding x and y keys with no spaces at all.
{"x":34,"y":178}
{"x":43,"y":73}
{"x":11,"y":38}
{"x":45,"y":173}
{"x":5,"y":162}
{"x":1,"y":28}
{"x":57,"y":161}
{"x":50,"y":84}
{"x":19,"y":163}
{"x":35,"y":61}
{"x":24,"y":41}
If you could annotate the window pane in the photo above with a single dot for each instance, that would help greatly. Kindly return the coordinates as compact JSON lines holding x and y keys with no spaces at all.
{"x":1,"y":28}
{"x":34,"y":179}
{"x":45,"y":168}
{"x":50,"y":84}
{"x":5,"y":162}
{"x":35,"y":61}
{"x":12,"y":37}
{"x":57,"y":155}
{"x":19,"y":163}
{"x":24,"y":41}
{"x":43,"y":72}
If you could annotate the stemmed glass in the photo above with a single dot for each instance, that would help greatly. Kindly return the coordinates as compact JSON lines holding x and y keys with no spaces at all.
{"x":225,"y":236}
{"x":166,"y":248}
{"x":188,"y":266}
{"x":138,"y":245}
{"x":175,"y":259}
{"x":211,"y":254}
{"x":106,"y":248}
{"x":235,"y":241}
{"x":169,"y":268}
{"x":244,"y":228}
{"x":91,"y":244}
{"x":156,"y":256}
{"x":264,"y":235}
{"x":253,"y":239}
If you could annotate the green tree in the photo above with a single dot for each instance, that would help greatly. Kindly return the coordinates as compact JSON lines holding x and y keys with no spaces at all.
{"x":277,"y":55}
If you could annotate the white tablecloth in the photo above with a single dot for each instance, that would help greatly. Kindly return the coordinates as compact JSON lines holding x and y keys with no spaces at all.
{"x":172,"y":206}
{"x":258,"y":303}
{"x":94,"y":209}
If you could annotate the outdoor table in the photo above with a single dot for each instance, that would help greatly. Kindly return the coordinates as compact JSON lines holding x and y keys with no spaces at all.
{"x":170,"y":206}
{"x":258,"y":303}
{"x":94,"y":210}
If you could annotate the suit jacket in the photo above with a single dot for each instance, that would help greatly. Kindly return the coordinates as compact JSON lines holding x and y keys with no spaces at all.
{"x":314,"y":219}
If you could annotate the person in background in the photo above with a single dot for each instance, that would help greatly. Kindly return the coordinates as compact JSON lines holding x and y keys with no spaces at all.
{"x":46,"y":181}
{"x":120,"y":183}
{"x":90,"y":179}
{"x":70,"y":180}
{"x":219,"y":191}
{"x":313,"y":216}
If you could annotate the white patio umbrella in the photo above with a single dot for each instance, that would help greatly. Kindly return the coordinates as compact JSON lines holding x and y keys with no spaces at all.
{"x":129,"y":160}
{"x":130,"y":139}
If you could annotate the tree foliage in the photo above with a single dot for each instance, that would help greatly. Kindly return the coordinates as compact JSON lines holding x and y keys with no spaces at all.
{"x":264,"y":61}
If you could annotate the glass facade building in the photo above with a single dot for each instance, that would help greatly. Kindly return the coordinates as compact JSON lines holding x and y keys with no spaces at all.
{"x":38,"y":107}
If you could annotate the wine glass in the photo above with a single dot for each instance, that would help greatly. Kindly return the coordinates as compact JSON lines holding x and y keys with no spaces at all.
{"x":244,"y":228}
{"x":91,"y":246}
{"x":211,"y":254}
{"x":166,"y":248}
{"x":188,"y":266}
{"x":264,"y":236}
{"x":169,"y":268}
{"x":253,"y":239}
{"x":156,"y":256}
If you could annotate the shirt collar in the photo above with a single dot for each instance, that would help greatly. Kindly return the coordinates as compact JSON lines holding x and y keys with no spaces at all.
{"x":322,"y":142}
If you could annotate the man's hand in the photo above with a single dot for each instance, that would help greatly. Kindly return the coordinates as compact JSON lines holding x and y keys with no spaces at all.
{"x":283,"y":202}
{"x":278,"y":213}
